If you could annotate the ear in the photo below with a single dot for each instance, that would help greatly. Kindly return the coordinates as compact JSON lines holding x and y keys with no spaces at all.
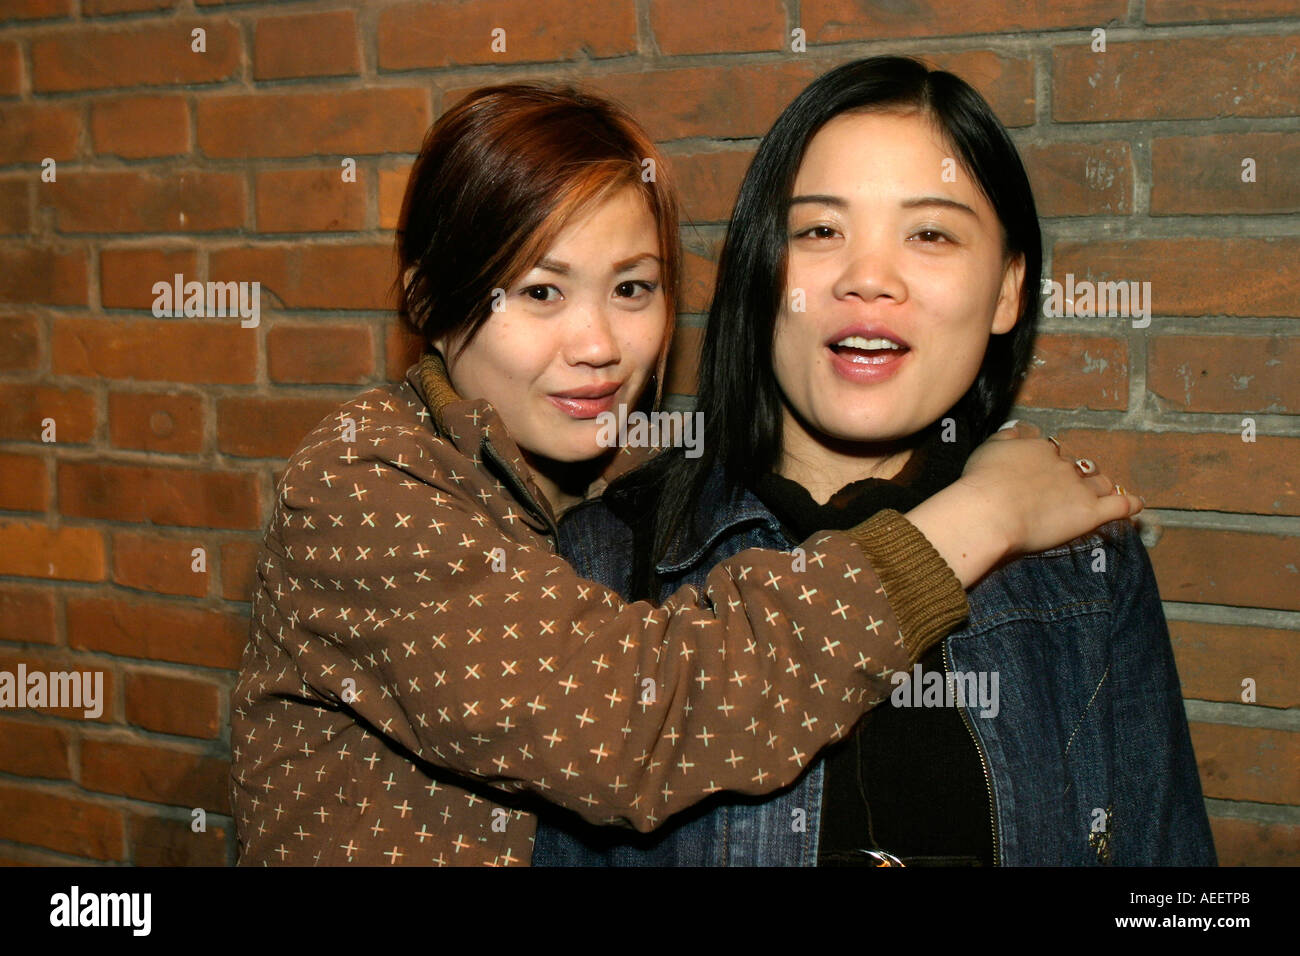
{"x":1007,"y":310}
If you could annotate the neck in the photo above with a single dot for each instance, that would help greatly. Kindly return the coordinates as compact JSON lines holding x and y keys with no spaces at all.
{"x":564,"y":483}
{"x":824,"y":465}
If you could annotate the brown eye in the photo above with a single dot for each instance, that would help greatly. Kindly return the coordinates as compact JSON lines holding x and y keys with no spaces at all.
{"x":541,"y":293}
{"x":633,"y":287}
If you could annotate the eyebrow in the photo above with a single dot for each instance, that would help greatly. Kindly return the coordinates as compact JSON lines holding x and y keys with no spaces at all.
{"x":623,"y":265}
{"x":837,"y":202}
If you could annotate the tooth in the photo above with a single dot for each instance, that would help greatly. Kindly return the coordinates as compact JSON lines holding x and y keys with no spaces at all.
{"x":858,"y":342}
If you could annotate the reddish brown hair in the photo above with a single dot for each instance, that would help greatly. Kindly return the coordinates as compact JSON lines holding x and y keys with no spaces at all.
{"x":498,"y":177}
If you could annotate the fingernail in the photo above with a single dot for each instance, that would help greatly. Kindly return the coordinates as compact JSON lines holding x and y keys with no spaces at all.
{"x":1011,"y":424}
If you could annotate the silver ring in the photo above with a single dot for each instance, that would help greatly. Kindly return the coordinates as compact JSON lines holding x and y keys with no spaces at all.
{"x":1085,"y":466}
{"x":1052,"y":439}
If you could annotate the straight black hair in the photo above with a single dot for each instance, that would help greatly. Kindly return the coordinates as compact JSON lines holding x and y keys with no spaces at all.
{"x":738,"y":390}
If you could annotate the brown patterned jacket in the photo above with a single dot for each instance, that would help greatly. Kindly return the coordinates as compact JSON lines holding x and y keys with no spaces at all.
{"x":420,"y":658}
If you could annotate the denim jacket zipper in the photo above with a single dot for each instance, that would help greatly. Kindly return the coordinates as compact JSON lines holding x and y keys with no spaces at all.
{"x":984,"y":764}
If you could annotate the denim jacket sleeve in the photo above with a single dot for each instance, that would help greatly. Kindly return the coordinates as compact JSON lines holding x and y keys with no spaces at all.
{"x":1159,"y":817}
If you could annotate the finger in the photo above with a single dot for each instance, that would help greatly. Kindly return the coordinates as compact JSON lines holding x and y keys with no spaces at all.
{"x":1114,"y":507}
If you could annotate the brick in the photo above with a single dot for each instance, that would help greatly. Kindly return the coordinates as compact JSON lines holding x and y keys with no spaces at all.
{"x":55,"y":661}
{"x":27,"y":615}
{"x":157,"y":630}
{"x":421,"y":35}
{"x":150,"y":562}
{"x":718,"y":26}
{"x":700,"y":101}
{"x":1201,"y":78}
{"x":38,"y":9}
{"x":122,"y":202}
{"x":158,"y":841}
{"x":94,"y":58}
{"x":834,"y":21}
{"x":305,"y":276}
{"x":1077,"y":371}
{"x":1192,"y":276}
{"x":257,"y":427}
{"x":159,"y":774}
{"x":392,"y":189}
{"x":99,"y":8}
{"x":24,"y":484}
{"x":127,"y":275}
{"x":31,"y":133}
{"x":1247,"y":763}
{"x":139,"y":127}
{"x":1202,"y":11}
{"x":33,"y":550}
{"x":682,"y":376}
{"x":402,"y":349}
{"x":1248,"y":843}
{"x":1224,"y":373}
{"x":320,"y":354}
{"x":20,"y":343}
{"x":698,"y":273}
{"x":22,"y":856}
{"x":279,"y":50}
{"x":1190,"y":566}
{"x":170,"y":704}
{"x":31,"y":749}
{"x":1081,"y":179}
{"x":309,"y":200}
{"x":24,"y":408}
{"x":32,"y":275}
{"x":11,"y":69}
{"x":709,"y":183}
{"x":214,"y":351}
{"x":146,"y":421}
{"x":349,"y":122}
{"x":1213,"y":659}
{"x":238,"y":569}
{"x":1186,"y":470}
{"x":15,"y":206}
{"x":188,"y":497}
{"x":65,"y":824}
{"x":1202,"y":174}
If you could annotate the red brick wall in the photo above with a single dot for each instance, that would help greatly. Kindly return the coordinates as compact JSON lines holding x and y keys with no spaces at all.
{"x":226,"y":165}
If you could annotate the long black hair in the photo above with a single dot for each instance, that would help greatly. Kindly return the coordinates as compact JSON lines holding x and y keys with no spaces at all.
{"x":738,"y":391}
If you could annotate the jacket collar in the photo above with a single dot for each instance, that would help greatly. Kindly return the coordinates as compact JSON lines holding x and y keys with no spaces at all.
{"x":472,"y":424}
{"x":719,"y":514}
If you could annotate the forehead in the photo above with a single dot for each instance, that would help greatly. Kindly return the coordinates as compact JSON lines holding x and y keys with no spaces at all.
{"x":624,"y":217}
{"x":883,"y":153}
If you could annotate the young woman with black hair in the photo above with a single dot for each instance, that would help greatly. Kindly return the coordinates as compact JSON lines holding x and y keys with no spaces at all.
{"x":873,"y":317}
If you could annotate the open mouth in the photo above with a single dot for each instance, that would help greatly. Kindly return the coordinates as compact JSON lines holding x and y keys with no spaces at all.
{"x":861,"y":350}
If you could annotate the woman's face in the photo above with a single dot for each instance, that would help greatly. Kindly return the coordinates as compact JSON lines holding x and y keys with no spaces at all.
{"x":578,"y":335}
{"x":898,"y":260}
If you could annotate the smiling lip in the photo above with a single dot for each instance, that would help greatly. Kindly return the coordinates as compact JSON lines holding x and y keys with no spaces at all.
{"x":588,"y":401}
{"x":866,"y":365}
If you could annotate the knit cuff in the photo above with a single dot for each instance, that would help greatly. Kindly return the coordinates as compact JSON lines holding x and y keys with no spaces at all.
{"x":926,"y":596}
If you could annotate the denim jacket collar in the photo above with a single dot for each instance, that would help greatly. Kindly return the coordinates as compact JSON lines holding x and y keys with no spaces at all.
{"x":722,"y":514}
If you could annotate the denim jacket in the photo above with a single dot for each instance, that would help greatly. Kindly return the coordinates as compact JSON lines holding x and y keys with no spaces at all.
{"x":1087,"y":755}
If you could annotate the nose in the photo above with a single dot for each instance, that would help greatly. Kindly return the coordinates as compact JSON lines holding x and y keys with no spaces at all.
{"x":871,"y":270}
{"x":589,"y":339}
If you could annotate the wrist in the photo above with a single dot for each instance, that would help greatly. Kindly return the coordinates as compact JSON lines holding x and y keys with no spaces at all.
{"x":968,"y":529}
